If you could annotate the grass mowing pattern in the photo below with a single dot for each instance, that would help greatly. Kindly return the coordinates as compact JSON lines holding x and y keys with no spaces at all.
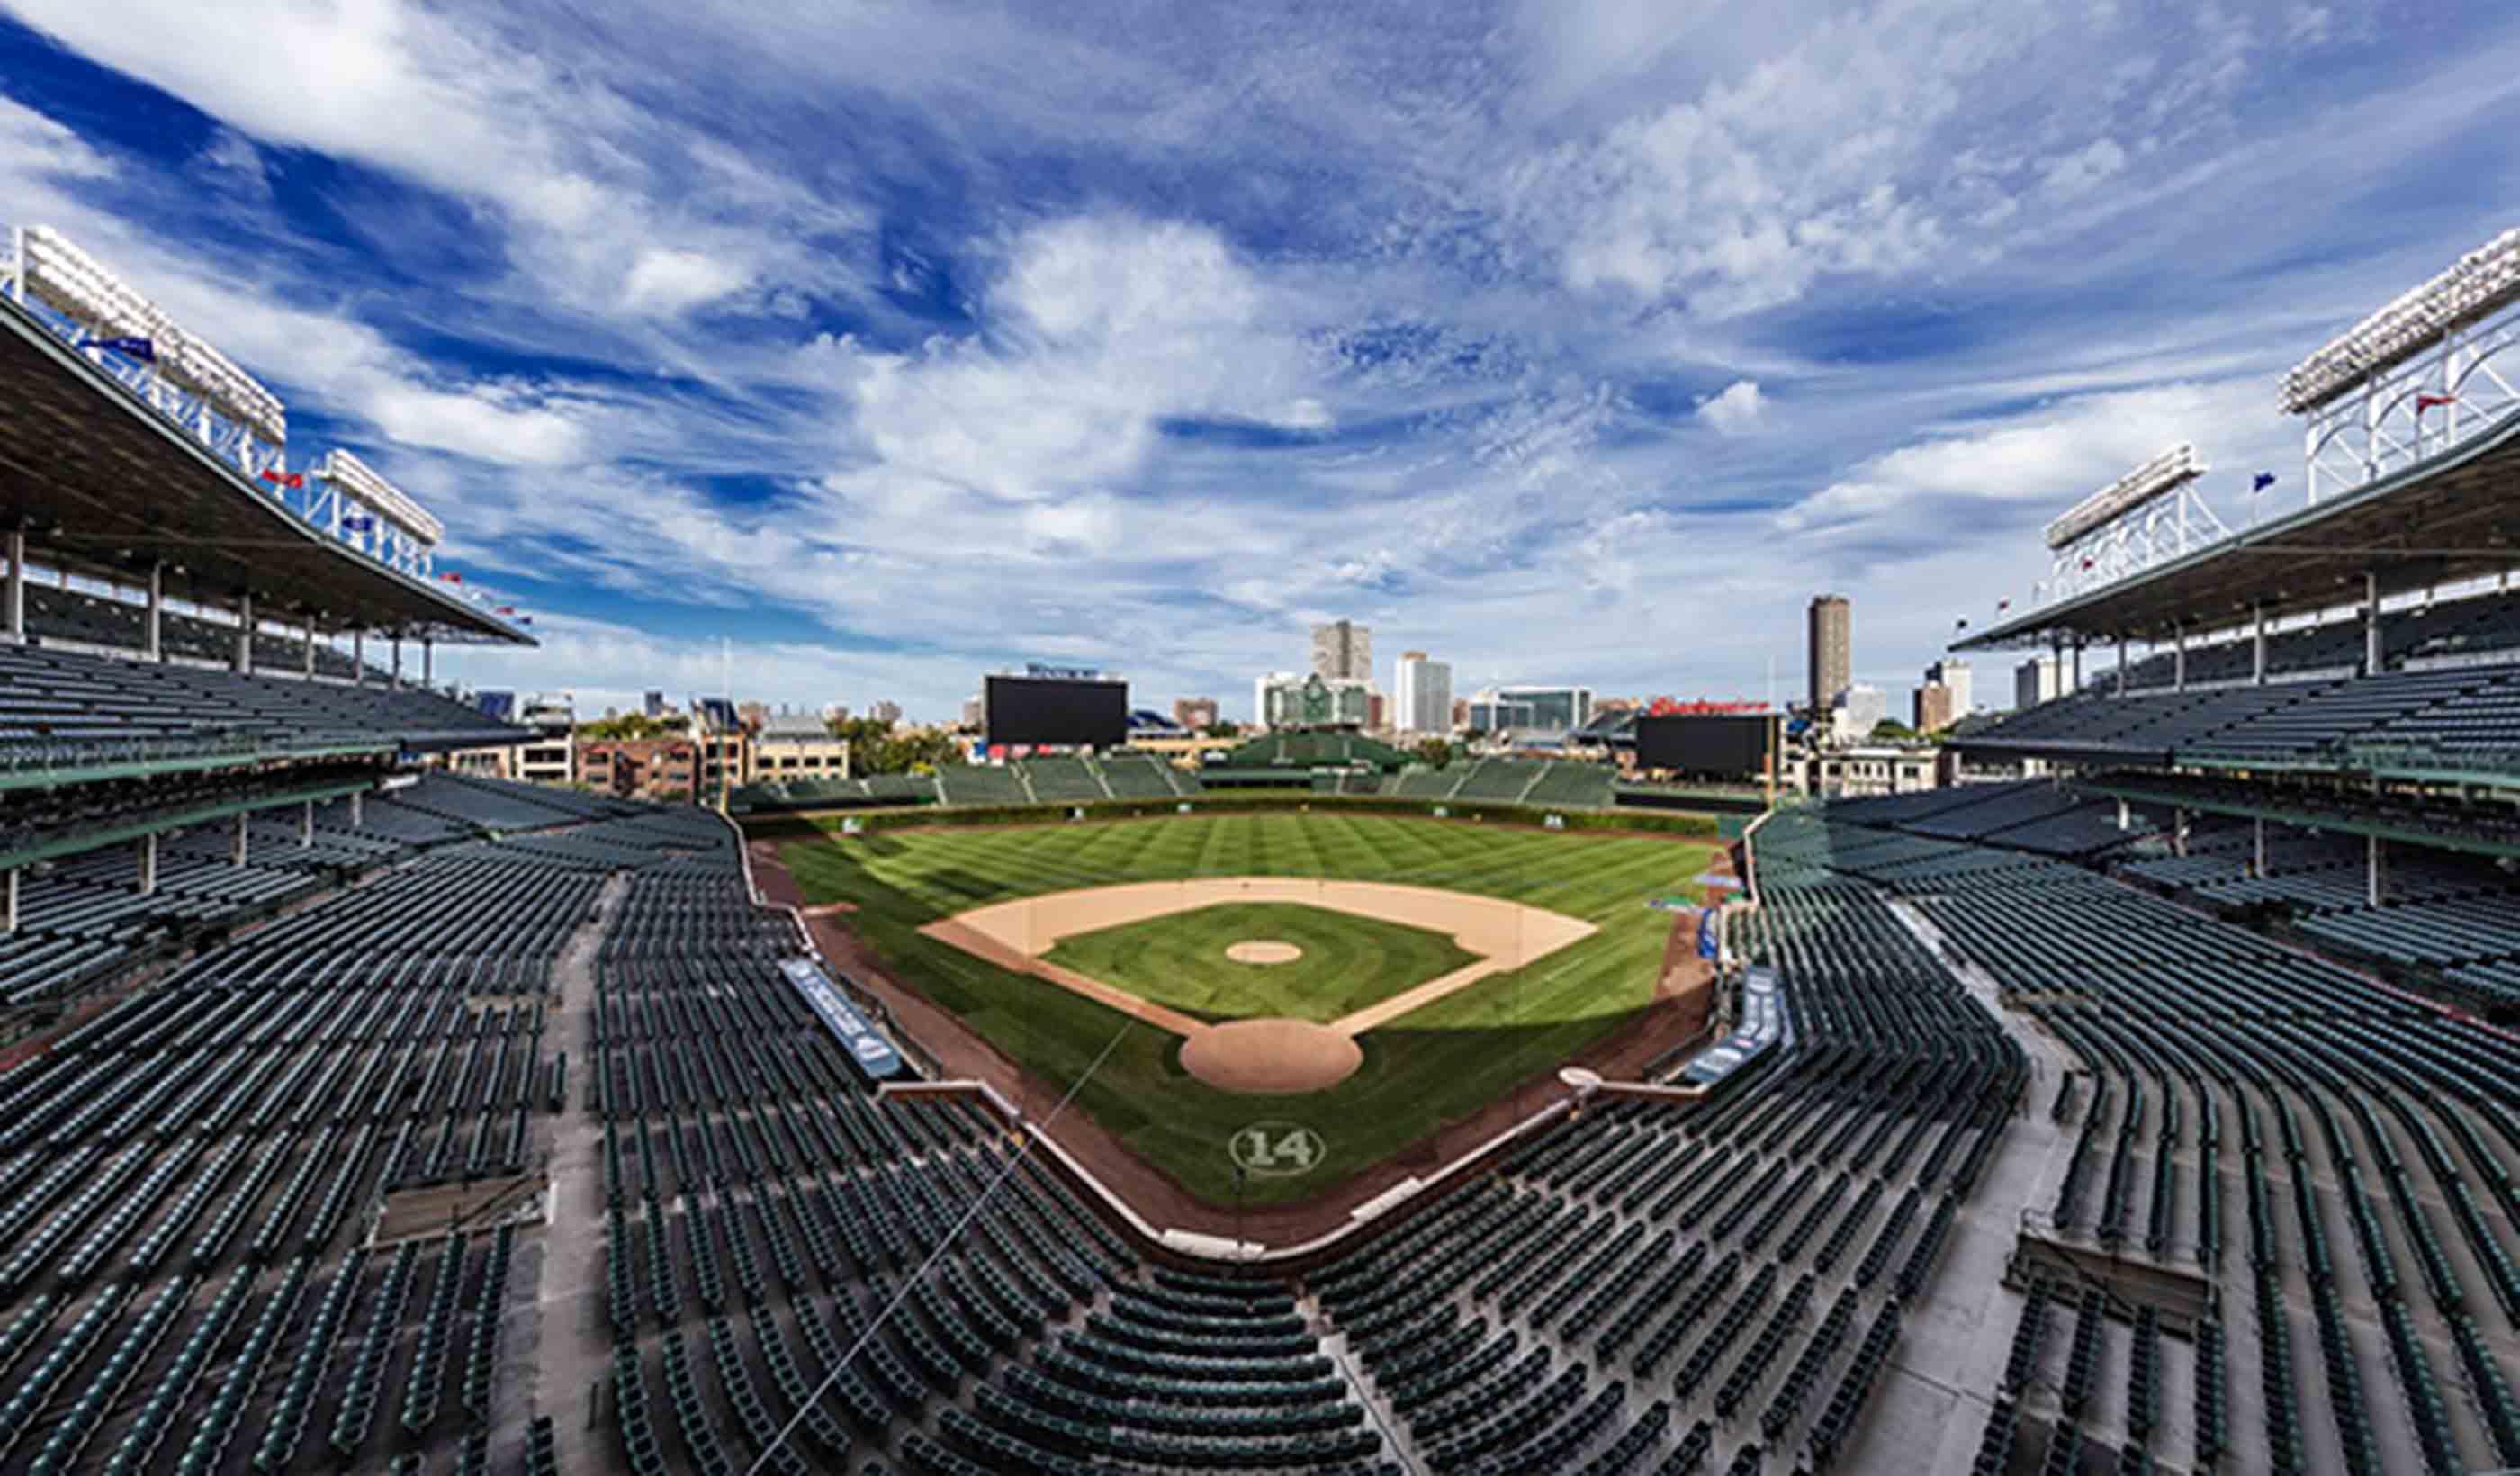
{"x":1434,"y":1065}
{"x":1348,"y":962}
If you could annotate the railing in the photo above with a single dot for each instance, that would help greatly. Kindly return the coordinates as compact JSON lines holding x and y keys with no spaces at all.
{"x":48,"y":755}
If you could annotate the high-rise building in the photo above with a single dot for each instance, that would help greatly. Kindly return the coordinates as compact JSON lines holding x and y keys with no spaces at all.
{"x":975,"y":713}
{"x":1195,"y":714}
{"x":885,"y":712}
{"x":1343,"y":651}
{"x":1460,"y":713}
{"x":1422,"y":694}
{"x":2041,"y":679}
{"x":838,"y":712}
{"x":656,"y":705}
{"x":1933,"y":707}
{"x":1830,"y":661}
{"x":1954,"y":676}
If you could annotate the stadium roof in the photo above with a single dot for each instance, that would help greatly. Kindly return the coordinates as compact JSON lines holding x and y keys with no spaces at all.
{"x":2455,"y":515}
{"x":106,"y":487}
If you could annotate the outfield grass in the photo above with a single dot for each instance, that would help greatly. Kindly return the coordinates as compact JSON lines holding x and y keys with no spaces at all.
{"x":1348,"y":961}
{"x":1436,"y":1064}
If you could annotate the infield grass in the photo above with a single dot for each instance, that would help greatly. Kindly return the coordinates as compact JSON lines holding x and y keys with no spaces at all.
{"x":1348,"y":961}
{"x":1434,"y":1065}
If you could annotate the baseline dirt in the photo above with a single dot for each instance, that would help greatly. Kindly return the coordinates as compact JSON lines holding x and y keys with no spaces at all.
{"x":1506,"y":935}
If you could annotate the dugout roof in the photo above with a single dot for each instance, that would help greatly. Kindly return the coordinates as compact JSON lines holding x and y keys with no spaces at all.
{"x":2455,"y":515}
{"x":106,"y":487}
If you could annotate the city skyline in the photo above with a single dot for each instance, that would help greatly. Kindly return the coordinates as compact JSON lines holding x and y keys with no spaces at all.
{"x":1519,"y":380}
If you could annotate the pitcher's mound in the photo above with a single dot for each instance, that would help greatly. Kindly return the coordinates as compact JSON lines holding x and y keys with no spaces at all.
{"x":1263,"y":951}
{"x":1270,"y":1057}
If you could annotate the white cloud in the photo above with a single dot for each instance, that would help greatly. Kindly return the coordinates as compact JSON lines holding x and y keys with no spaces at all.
{"x":671,"y":281}
{"x":485,"y":421}
{"x":1737,"y":408}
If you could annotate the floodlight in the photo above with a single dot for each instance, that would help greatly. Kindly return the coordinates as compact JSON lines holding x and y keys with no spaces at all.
{"x":2162,"y":475}
{"x":354,"y":477}
{"x":2475,"y":285}
{"x":79,"y":285}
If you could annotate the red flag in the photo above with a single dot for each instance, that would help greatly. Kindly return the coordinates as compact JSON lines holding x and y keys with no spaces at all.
{"x":2424,"y":402}
{"x":2002,"y":605}
{"x":292,"y":479}
{"x":452,"y":578}
{"x":2087,"y":563}
{"x":503,"y":609}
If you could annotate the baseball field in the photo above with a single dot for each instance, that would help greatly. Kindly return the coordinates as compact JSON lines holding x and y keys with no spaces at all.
{"x":1462,"y":958}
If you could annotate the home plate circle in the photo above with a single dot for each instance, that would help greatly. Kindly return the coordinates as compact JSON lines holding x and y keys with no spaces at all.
{"x":1270,"y":1057}
{"x":1263,"y":951}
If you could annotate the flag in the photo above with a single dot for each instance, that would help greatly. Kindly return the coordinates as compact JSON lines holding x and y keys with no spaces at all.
{"x":283,"y":479}
{"x":524,"y":619}
{"x":2262,"y":481}
{"x":138,"y":348}
{"x":1963,"y":623}
{"x":357,"y":523}
{"x":2424,"y":402}
{"x":2086,"y":562}
{"x":2001,"y":605}
{"x":503,"y":609}
{"x":452,"y":578}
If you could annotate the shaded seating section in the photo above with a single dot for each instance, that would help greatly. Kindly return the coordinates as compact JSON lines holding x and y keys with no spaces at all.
{"x":55,"y":705}
{"x":55,"y":614}
{"x":1419,"y":782}
{"x":2456,"y":716}
{"x":2299,"y":1137}
{"x":2471,"y":627}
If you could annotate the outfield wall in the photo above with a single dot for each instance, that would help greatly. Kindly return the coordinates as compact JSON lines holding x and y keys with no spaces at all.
{"x":1529,"y":817}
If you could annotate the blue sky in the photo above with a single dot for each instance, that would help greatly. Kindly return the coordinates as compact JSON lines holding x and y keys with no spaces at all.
{"x":881,"y":343}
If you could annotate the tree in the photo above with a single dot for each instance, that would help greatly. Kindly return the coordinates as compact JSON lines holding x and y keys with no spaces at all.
{"x":1225,"y":728}
{"x":630,"y":726}
{"x":1434,"y":752}
{"x":1891,"y":730}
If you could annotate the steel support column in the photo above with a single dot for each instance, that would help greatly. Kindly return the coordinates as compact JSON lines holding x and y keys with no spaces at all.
{"x":2178,"y":657}
{"x":358,"y":658}
{"x":2260,"y":869}
{"x":2375,"y":867}
{"x":310,"y":647}
{"x":148,"y":866}
{"x":355,"y":810}
{"x":156,"y":650}
{"x":306,"y":823}
{"x":2179,"y":833}
{"x":241,"y":845}
{"x":244,"y":635}
{"x":17,"y":586}
{"x":2122,"y":680}
{"x":397,"y":661}
{"x":427,"y":662}
{"x":2259,"y":644}
{"x":9,"y":909}
{"x":2370,"y":625}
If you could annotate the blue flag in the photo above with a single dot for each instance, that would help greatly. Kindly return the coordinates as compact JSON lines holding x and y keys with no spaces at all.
{"x":137,"y":349}
{"x":2265,"y":479}
{"x":357,"y":523}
